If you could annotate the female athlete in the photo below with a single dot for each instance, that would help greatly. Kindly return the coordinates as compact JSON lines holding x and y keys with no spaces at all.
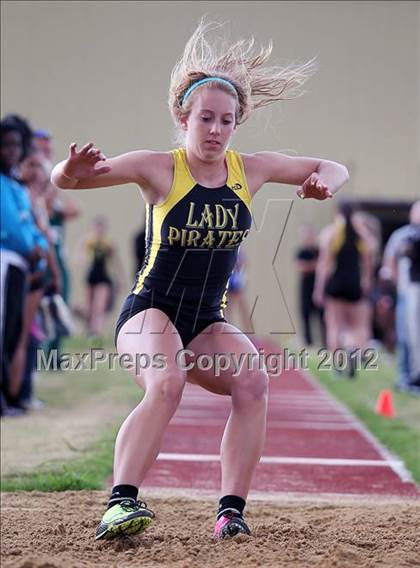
{"x":198,"y":211}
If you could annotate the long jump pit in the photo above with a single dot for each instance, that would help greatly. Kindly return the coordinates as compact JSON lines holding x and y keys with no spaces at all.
{"x":325,"y":493}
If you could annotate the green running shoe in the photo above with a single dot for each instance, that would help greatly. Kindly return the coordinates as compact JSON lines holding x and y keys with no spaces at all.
{"x":127,"y":517}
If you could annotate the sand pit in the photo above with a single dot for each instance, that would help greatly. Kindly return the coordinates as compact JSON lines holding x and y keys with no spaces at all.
{"x":56,"y":530}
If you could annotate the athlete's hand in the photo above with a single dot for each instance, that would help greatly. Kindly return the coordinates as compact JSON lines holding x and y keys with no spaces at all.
{"x":314,"y":188}
{"x":83,"y":164}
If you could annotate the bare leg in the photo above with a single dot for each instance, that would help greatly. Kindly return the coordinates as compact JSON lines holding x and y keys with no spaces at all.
{"x":100,"y":299}
{"x":244,"y":434}
{"x":364,"y":320}
{"x":356,"y":318}
{"x":89,"y":308}
{"x":139,"y":438}
{"x":335,"y":323}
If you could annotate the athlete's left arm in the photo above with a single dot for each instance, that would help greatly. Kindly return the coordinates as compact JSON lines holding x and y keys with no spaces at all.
{"x":318,"y":179}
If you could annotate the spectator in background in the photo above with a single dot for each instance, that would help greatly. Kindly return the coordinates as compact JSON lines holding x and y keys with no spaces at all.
{"x":413,"y":297}
{"x":103,"y":276}
{"x":383,"y":299}
{"x":342,"y":283}
{"x":369,"y":227}
{"x":43,"y":142}
{"x":61,"y":208}
{"x":22,"y":247}
{"x":397,"y":259}
{"x":34,"y":175}
{"x":26,"y":135}
{"x":306,"y":260}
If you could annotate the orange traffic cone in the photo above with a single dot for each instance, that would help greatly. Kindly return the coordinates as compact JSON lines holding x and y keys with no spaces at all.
{"x":385,"y":405}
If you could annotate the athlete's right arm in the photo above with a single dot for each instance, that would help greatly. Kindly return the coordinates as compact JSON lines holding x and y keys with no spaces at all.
{"x":89,"y":168}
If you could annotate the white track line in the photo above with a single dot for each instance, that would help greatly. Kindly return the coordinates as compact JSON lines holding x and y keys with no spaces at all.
{"x":273,"y":424}
{"x":279,"y":460}
{"x":203,"y":414}
{"x":395,"y":464}
{"x":325,"y":401}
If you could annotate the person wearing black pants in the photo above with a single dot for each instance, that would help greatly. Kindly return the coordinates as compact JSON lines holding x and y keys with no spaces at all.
{"x":20,"y":250}
{"x":13,"y":289}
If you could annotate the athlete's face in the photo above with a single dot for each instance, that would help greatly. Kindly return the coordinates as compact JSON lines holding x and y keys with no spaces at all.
{"x":210,"y":123}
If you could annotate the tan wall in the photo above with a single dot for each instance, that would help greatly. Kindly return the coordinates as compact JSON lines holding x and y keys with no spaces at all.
{"x":100,"y":71}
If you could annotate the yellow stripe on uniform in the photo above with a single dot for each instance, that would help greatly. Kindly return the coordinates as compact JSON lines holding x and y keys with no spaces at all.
{"x":338,"y":239}
{"x":182,"y":184}
{"x":237,"y":176}
{"x":340,"y":236}
{"x":223,"y":303}
{"x":149,"y":261}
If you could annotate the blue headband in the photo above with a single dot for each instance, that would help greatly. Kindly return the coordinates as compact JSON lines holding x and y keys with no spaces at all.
{"x":206,"y":80}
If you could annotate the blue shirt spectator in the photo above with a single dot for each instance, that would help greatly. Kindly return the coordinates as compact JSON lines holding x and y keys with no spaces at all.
{"x":19,"y":232}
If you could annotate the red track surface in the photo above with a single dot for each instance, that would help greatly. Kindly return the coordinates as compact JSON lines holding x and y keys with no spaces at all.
{"x":313,"y":446}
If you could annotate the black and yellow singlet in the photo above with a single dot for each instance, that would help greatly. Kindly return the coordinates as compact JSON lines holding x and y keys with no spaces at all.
{"x":192,"y":242}
{"x":347,"y":247}
{"x":100,"y":252}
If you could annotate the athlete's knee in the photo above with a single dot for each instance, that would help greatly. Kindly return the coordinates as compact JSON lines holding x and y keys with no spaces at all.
{"x":167,"y":385}
{"x":251,"y":387}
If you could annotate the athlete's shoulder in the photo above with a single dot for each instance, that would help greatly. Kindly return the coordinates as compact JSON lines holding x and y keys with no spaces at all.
{"x":252,"y":170}
{"x":165,"y":160}
{"x":149,"y":166}
{"x":155,"y":157}
{"x":257,"y":158}
{"x":249,"y":160}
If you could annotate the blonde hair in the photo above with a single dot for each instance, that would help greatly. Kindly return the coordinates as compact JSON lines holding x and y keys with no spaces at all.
{"x":239,"y":64}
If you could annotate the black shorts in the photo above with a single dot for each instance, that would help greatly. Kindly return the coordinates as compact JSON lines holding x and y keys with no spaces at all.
{"x":187,"y":327}
{"x":340,"y":289}
{"x":95,"y":278}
